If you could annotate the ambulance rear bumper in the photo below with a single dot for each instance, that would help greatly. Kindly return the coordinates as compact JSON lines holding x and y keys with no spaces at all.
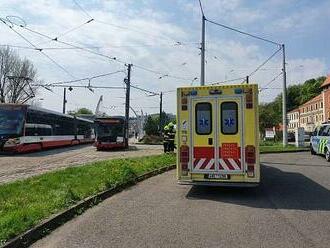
{"x":221,"y":184}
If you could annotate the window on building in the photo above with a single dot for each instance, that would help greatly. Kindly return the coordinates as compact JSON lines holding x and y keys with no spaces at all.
{"x":321,"y":104}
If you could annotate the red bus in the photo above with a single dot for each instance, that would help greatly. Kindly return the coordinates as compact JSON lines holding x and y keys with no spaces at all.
{"x":110,"y":133}
{"x":25,"y":128}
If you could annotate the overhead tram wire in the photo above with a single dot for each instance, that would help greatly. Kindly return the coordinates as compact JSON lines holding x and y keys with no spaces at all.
{"x":270,"y":82}
{"x":38,"y":49}
{"x":201,"y":7}
{"x":82,"y":9}
{"x":59,"y":41}
{"x":95,"y":53}
{"x":88,"y":78}
{"x":78,"y":86}
{"x":263,"y":63}
{"x":160,"y":73}
{"x":72,"y":45}
{"x":253,"y":36}
{"x":74,"y":28}
{"x":100,"y":54}
{"x":68,"y":31}
{"x":144,"y":90}
{"x":243,"y":32}
{"x":98,"y":47}
{"x":227,"y":81}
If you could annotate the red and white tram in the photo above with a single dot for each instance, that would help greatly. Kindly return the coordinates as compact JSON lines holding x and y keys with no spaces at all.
{"x":110,"y":133}
{"x":25,"y":128}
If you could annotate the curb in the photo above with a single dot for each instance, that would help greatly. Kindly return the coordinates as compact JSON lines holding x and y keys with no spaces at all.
{"x":293,"y":151}
{"x":47,"y":226}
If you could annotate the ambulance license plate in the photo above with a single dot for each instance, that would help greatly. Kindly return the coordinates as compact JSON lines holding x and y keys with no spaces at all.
{"x":216,"y":176}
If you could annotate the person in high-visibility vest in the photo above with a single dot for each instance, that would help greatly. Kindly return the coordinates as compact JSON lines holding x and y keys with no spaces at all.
{"x":166,"y":139}
{"x":171,"y":137}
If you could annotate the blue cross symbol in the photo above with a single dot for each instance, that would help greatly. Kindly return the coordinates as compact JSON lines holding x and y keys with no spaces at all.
{"x":203,"y":122}
{"x":229,"y":122}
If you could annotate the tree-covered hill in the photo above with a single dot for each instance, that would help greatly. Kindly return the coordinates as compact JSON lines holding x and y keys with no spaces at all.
{"x":270,"y":114}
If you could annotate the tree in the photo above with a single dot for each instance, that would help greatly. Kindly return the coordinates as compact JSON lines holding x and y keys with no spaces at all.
{"x":270,"y":114}
{"x":300,"y":93}
{"x":16,"y":76}
{"x":81,"y":111}
{"x":151,"y":125}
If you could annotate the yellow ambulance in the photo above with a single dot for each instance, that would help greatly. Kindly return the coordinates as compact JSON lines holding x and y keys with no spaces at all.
{"x":217,"y":135}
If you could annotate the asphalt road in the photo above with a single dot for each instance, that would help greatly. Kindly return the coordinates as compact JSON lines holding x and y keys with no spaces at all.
{"x":291,"y":208}
{"x":25,"y":165}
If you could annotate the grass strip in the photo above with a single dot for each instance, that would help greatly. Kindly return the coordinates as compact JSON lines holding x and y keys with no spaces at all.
{"x":280,"y":148}
{"x":25,"y":203}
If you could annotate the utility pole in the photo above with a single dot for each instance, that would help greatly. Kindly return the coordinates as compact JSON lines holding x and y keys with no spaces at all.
{"x":285,"y":130}
{"x":160,"y":112}
{"x":247,"y":79}
{"x":64,"y":100}
{"x":203,"y":51}
{"x":127,"y":106}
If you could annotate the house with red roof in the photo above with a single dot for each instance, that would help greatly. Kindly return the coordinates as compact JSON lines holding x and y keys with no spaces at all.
{"x":312,"y":113}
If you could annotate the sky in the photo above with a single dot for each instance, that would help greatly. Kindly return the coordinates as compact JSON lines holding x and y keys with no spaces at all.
{"x":162,"y":39}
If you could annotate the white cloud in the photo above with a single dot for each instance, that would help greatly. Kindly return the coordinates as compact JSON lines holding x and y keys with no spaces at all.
{"x":303,"y":19}
{"x":233,"y":58}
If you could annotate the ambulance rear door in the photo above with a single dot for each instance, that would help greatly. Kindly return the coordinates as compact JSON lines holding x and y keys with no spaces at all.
{"x":230,"y":135}
{"x":203,"y":139}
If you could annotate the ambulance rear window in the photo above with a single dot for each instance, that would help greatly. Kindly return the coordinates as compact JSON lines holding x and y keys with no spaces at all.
{"x":229,"y":114}
{"x":203,"y":118}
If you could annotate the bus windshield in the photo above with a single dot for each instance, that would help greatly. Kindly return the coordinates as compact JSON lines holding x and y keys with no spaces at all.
{"x":11,"y":120}
{"x":112,"y":130}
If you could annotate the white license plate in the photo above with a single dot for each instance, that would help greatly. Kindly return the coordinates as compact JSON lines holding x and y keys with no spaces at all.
{"x":216,"y":176}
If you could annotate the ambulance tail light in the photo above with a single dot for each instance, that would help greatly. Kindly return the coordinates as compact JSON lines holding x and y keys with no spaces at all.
{"x":250,"y":159}
{"x":250,"y":154}
{"x":184,"y":160}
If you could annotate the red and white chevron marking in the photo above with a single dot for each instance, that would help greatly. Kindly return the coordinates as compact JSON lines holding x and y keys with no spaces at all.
{"x":230,"y":164}
{"x":204,"y":164}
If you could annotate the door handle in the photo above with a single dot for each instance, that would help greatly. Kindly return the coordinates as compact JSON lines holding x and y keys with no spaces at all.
{"x":210,"y":141}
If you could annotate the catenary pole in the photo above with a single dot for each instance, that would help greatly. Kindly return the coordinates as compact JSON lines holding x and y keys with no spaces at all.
{"x":285,"y":130}
{"x":127,"y":106}
{"x":203,"y":51}
{"x":160,"y":112}
{"x":64,"y":100}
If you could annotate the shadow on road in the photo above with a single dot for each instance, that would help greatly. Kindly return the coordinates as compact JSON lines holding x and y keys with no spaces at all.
{"x":278,"y":190}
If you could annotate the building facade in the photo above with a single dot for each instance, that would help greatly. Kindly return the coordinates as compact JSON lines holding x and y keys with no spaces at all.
{"x":312,"y":113}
